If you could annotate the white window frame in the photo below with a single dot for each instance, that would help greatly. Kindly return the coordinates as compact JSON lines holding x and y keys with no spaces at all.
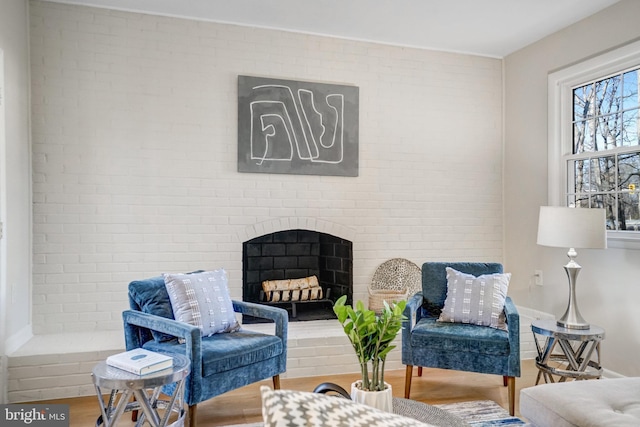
{"x":560,"y":130}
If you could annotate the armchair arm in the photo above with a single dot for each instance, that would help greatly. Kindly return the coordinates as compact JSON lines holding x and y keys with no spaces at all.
{"x":278,"y":315}
{"x":135,"y":320}
{"x":513,"y":323}
{"x":411,"y":317}
{"x":513,"y":318}
{"x":140,"y":319}
{"x":411,"y":314}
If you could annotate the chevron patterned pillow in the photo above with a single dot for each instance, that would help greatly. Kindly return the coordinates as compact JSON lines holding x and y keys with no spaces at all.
{"x":289,"y":408}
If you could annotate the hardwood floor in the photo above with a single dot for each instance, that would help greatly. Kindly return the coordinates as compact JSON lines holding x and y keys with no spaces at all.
{"x":244,"y":405}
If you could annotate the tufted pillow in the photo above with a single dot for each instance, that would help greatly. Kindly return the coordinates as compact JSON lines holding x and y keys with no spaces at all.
{"x":202,"y":300}
{"x":288,"y":408}
{"x":475,"y":300}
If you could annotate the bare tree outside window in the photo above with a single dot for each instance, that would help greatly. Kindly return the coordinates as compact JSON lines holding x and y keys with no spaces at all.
{"x":604,"y":168}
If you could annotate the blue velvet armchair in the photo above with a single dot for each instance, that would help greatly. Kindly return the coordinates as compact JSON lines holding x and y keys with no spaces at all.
{"x":219,"y":363}
{"x":458,"y":346}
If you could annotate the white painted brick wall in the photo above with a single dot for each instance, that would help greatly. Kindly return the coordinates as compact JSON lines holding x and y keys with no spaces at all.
{"x":135,"y":148}
{"x":134,"y":134}
{"x":45,"y":377}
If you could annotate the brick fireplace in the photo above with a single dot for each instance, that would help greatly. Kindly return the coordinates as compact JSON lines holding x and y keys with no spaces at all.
{"x":298,"y":253}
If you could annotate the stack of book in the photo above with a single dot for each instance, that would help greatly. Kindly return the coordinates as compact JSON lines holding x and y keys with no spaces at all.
{"x":140,"y":361}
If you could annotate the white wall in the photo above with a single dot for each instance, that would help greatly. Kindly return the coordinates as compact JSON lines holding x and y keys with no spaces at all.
{"x":607,"y":286}
{"x":15,"y":184}
{"x":134,"y":155}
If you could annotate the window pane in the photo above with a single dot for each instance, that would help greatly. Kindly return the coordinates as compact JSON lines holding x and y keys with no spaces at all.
{"x":583,"y":102}
{"x":608,"y":97}
{"x":581,"y":202}
{"x":630,"y":90}
{"x":629,"y":172}
{"x":629,"y":213}
{"x":583,"y":137}
{"x":581,"y":179}
{"x":630,"y":128}
{"x":603,"y":174}
{"x":608,"y":202}
{"x":607,"y":133}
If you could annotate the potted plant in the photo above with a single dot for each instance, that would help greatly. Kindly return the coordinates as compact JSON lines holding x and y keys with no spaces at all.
{"x":371,"y":336}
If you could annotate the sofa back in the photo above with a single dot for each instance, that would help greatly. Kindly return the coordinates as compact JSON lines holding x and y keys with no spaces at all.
{"x":434,"y":277}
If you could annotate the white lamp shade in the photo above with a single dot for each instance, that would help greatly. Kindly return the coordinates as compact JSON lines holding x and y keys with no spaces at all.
{"x":565,"y":227}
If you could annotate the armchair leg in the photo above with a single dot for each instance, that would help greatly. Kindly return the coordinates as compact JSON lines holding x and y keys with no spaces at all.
{"x":504,"y":380}
{"x":511,"y":382}
{"x":419,"y":371}
{"x":192,"y":415}
{"x":276,"y":382}
{"x":407,"y":381}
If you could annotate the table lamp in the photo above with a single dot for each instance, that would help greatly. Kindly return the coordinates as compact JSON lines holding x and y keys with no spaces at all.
{"x":572,"y":228}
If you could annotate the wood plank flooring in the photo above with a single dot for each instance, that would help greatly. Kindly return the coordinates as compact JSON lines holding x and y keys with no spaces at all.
{"x":244,"y":405}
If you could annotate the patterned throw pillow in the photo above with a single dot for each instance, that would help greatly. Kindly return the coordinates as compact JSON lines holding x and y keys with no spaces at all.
{"x":475,"y":300}
{"x":202,"y":300}
{"x":288,"y":408}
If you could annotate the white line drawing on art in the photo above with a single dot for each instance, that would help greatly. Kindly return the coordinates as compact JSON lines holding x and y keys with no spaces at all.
{"x":269,"y":123}
{"x":282,"y":125}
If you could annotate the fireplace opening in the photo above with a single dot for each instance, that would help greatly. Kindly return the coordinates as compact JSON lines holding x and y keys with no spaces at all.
{"x":283,"y":269}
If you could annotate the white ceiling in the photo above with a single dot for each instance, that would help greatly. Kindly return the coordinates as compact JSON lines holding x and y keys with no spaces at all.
{"x":491,"y":28}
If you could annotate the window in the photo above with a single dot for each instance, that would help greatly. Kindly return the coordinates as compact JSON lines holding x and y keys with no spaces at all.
{"x":594,"y":144}
{"x":603,"y":169}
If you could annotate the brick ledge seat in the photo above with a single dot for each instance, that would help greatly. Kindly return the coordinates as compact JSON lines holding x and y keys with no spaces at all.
{"x":57,"y":366}
{"x":71,"y":342}
{"x":593,"y":403}
{"x":100,"y":341}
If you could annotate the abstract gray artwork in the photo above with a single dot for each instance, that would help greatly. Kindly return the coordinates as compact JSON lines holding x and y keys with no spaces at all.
{"x":295,"y":127}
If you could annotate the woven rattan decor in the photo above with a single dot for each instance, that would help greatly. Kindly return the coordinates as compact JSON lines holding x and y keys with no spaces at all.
{"x":394,"y":280}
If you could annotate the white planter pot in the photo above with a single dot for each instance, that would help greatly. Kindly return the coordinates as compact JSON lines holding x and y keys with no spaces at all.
{"x":377,"y":399}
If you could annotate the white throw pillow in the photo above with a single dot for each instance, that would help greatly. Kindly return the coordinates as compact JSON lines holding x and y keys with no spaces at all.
{"x":475,"y":300}
{"x":202,"y":300}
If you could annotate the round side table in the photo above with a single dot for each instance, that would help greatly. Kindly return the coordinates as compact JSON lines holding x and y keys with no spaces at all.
{"x":579,"y":356}
{"x":146,"y":390}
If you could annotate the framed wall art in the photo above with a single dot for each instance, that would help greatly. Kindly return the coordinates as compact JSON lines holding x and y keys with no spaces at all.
{"x":296,"y":127}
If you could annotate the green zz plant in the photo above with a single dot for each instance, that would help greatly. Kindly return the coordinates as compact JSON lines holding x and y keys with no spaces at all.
{"x":371,"y":336}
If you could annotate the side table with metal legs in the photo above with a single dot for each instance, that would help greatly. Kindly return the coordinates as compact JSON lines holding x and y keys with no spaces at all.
{"x":146,"y":390}
{"x":579,"y":355}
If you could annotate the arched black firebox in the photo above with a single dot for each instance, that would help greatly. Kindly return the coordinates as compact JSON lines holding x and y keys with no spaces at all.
{"x":293,"y":254}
